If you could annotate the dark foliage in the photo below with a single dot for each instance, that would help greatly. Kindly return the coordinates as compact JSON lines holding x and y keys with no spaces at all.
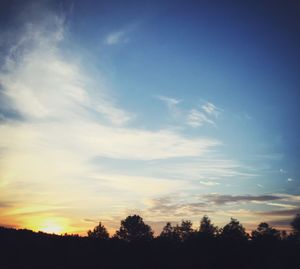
{"x":296,"y":225}
{"x":176,"y":247}
{"x":184,"y":231}
{"x":99,"y":232}
{"x":207,"y":229}
{"x":265,"y":233}
{"x":133,"y":228}
{"x":168,"y":233}
{"x":234,"y":231}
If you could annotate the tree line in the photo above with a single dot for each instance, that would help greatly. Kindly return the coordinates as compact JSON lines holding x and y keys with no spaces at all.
{"x":133,"y":228}
{"x":134,"y":246}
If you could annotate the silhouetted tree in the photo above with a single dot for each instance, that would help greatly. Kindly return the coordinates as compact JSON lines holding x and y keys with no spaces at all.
{"x":296,"y":225}
{"x":265,"y":232}
{"x":234,"y":231}
{"x":283,"y":235}
{"x":21,"y":248}
{"x":184,"y":231}
{"x":99,"y":232}
{"x":133,"y":228}
{"x":168,"y":232}
{"x":207,"y":229}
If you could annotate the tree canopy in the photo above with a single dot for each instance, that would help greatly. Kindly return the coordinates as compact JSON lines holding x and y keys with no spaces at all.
{"x":207,"y":228}
{"x":234,"y":231}
{"x":169,"y":232}
{"x":99,"y":232}
{"x":133,"y":228}
{"x":265,"y":232}
{"x":184,"y":231}
{"x":296,"y":225}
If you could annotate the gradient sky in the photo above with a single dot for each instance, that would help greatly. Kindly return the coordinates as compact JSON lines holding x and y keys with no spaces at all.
{"x":168,"y":109}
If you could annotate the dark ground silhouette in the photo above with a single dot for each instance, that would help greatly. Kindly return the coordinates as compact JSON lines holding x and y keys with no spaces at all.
{"x":134,"y":246}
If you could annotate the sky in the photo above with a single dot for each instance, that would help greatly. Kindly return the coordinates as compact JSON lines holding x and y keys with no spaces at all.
{"x":167,"y":109}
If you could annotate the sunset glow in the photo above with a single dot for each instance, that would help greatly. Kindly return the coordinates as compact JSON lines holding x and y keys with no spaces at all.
{"x":48,"y":224}
{"x":170,"y":112}
{"x":51,"y":226}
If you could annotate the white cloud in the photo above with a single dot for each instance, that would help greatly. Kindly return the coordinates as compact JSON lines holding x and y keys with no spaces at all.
{"x":290,"y":179}
{"x":209,"y":183}
{"x":208,"y":108}
{"x":211,"y":109}
{"x":288,"y":206}
{"x":169,"y":101}
{"x":290,"y":198}
{"x":208,"y":168}
{"x":40,"y":84}
{"x":196,"y":118}
{"x":116,"y":38}
{"x":183,"y":205}
{"x":206,"y":115}
{"x":66,"y":120}
{"x":173,"y":106}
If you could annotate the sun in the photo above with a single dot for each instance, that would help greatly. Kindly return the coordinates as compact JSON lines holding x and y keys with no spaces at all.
{"x":52,"y":225}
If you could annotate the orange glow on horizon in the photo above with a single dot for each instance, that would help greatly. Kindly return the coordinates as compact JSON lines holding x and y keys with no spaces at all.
{"x":52,"y":225}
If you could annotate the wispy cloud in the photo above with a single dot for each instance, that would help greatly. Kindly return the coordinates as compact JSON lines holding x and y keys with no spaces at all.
{"x":90,"y":220}
{"x":209,"y":183}
{"x":207,"y":114}
{"x":169,"y":101}
{"x":288,"y":206}
{"x":177,"y":206}
{"x":58,"y":120}
{"x":279,"y":213}
{"x":65,"y":120}
{"x":209,"y":168}
{"x":174,"y":208}
{"x":35,"y":67}
{"x":172,"y":105}
{"x":290,"y":197}
{"x":196,"y":118}
{"x":116,"y":38}
{"x":224,"y":199}
{"x":4,"y":204}
{"x":211,"y":109}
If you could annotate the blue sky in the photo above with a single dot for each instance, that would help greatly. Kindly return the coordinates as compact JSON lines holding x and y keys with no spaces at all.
{"x":170,"y":109}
